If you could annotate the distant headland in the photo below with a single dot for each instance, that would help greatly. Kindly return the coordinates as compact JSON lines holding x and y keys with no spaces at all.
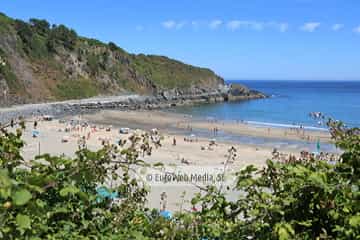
{"x":41,"y":63}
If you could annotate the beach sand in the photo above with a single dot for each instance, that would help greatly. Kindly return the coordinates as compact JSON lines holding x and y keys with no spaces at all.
{"x":191,"y":158}
{"x":167,"y":120}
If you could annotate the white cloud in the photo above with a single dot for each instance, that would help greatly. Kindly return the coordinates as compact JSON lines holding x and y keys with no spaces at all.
{"x":215,"y":24}
{"x":280,"y":26}
{"x":171,"y":24}
{"x":180,"y":25}
{"x":357,"y":29}
{"x":257,"y":26}
{"x":195,"y":24}
{"x":336,"y":27}
{"x":139,"y":28}
{"x":310,"y":26}
{"x":283,"y":27}
{"x":236,"y":24}
{"x":254,"y":25}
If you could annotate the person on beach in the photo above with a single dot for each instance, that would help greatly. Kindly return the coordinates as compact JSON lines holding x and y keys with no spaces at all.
{"x":88,"y":135}
{"x":163,"y":201}
{"x":35,"y":124}
{"x":174,"y":141}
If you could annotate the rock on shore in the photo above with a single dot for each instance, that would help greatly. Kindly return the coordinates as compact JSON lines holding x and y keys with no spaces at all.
{"x":239,"y":92}
{"x":131,"y":102}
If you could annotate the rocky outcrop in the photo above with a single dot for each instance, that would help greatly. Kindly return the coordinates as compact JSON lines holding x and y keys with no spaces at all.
{"x":238,"y":92}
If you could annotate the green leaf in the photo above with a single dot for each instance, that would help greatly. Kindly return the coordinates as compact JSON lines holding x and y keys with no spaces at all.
{"x":355,"y":221}
{"x":284,"y":231}
{"x":318,"y":178}
{"x":23,"y":221}
{"x":68,"y":190}
{"x":5,"y":183}
{"x":40,"y":203}
{"x":4,"y":178}
{"x":21,"y":197}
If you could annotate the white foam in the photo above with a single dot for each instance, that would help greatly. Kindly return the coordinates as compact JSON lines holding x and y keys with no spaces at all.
{"x":280,"y":125}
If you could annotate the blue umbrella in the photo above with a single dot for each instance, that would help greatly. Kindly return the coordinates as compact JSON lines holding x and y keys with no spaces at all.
{"x":166,"y":214}
{"x":35,"y":133}
{"x":104,"y":193}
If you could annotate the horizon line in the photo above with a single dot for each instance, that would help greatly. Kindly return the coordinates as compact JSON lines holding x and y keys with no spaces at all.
{"x":294,"y":80}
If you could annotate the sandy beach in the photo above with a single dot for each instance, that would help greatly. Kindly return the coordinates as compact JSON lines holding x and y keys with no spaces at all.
{"x":167,"y":120}
{"x":192,"y":154}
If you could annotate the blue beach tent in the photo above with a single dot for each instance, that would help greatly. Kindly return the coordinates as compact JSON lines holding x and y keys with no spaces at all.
{"x":166,"y":214}
{"x":104,"y":193}
{"x":35,"y":133}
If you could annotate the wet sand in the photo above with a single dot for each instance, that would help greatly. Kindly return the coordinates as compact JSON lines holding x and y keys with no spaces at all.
{"x":171,"y":121}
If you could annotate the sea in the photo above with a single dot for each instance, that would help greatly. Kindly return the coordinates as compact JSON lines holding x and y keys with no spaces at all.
{"x":290,"y":103}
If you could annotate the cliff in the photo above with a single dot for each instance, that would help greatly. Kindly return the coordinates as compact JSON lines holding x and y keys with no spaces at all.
{"x":40,"y":62}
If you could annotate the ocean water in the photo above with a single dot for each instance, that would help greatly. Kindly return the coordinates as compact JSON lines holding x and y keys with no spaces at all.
{"x":290,"y":104}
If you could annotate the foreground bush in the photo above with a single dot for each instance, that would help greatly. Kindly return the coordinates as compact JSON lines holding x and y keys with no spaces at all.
{"x":55,"y":197}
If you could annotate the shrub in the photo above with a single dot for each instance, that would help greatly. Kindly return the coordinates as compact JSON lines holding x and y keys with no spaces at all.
{"x":76,"y":89}
{"x":56,"y":197}
{"x":42,"y":26}
{"x":7,"y":73}
{"x":61,"y":35}
{"x":24,"y":31}
{"x":33,"y":44}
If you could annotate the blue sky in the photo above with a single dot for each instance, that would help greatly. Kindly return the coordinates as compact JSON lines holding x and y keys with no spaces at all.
{"x":238,"y":39}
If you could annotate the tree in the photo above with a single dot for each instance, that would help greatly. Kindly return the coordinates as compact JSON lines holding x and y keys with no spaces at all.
{"x":57,"y":197}
{"x":24,"y":31}
{"x":113,"y":46}
{"x":42,"y":27}
{"x":61,"y":35}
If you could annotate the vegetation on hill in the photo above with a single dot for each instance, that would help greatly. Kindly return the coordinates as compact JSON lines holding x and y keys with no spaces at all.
{"x":55,"y":197}
{"x":45,"y":61}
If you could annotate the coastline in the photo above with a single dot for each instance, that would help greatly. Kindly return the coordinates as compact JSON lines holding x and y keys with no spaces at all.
{"x":121,"y":102}
{"x":194,"y":156}
{"x":254,"y":144}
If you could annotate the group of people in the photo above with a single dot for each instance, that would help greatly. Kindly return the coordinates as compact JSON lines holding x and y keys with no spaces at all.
{"x":304,"y":156}
{"x":83,"y":131}
{"x":317,"y":115}
{"x":215,"y":131}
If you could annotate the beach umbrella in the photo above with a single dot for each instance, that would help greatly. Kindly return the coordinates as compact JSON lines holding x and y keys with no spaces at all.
{"x":35,"y":133}
{"x":166,"y":214}
{"x":104,"y":193}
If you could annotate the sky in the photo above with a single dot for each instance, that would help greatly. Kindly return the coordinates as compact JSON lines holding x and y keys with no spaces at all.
{"x":238,"y":39}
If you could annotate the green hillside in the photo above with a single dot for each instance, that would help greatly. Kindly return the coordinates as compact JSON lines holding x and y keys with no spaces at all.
{"x":44,"y":62}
